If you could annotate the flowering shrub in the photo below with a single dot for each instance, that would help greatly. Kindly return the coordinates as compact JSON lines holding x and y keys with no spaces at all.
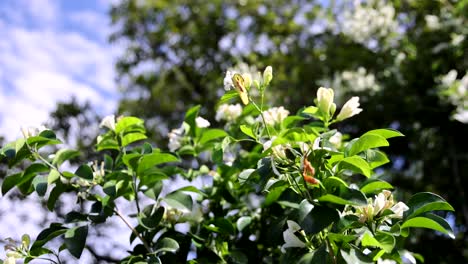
{"x":283,"y":187}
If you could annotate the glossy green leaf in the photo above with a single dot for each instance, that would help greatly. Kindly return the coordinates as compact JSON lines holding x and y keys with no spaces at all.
{"x":75,"y":240}
{"x":355,"y":257}
{"x":425,"y":202}
{"x":304,"y":209}
{"x":179,"y":200}
{"x":365,"y":142}
{"x":151,"y":216}
{"x":63,"y":155}
{"x":54,"y":230}
{"x":166,"y":244}
{"x":374,"y":186}
{"x":385,"y":133}
{"x":40,"y":184}
{"x":438,"y":224}
{"x":242,"y":222}
{"x":319,"y":218}
{"x":127,"y":122}
{"x":84,"y":172}
{"x":355,"y":164}
{"x":346,"y":196}
{"x":54,"y":175}
{"x":228,"y":96}
{"x":148,"y":161}
{"x":10,"y":181}
{"x":248,"y":131}
{"x":212,"y":134}
{"x":376,"y":158}
{"x":275,"y":191}
{"x":130,"y":138}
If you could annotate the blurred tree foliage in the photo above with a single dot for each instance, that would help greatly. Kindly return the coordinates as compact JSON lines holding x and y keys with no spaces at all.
{"x":178,"y":51}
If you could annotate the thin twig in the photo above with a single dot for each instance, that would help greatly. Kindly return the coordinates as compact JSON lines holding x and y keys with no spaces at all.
{"x":148,"y":248}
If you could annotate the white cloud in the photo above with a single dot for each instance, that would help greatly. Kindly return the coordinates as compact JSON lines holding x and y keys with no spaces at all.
{"x":40,"y":65}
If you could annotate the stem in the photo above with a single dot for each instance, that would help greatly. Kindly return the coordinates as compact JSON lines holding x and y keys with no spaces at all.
{"x":148,"y":248}
{"x":134,"y":183}
{"x":330,"y":250}
{"x":263,"y":118}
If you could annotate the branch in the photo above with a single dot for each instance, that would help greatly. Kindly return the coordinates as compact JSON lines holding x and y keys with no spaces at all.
{"x":148,"y":248}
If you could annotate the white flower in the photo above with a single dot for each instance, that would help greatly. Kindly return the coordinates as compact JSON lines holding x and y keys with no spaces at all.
{"x":202,"y":122}
{"x":228,"y":84}
{"x":274,"y":115}
{"x":325,"y":99}
{"x":267,"y":75}
{"x":350,"y":108}
{"x":461,"y":115}
{"x":109,"y":122}
{"x":398,"y":209}
{"x":379,"y":203}
{"x":335,"y":140}
{"x":10,"y":260}
{"x":457,"y":39}
{"x":449,"y":78}
{"x":228,"y":112}
{"x":432,"y":22}
{"x":278,"y":151}
{"x":386,"y":261}
{"x":175,"y":138}
{"x":290,"y":239}
{"x":32,"y":131}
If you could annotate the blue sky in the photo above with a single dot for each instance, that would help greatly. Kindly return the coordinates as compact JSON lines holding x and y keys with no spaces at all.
{"x":50,"y":51}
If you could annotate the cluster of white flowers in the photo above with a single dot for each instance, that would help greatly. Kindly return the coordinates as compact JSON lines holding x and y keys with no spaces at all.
{"x":456,"y":92}
{"x":249,"y":73}
{"x":382,"y":201}
{"x":274,"y":115}
{"x":359,"y":81}
{"x":228,"y":112}
{"x":366,"y":22}
{"x":432,"y":22}
{"x":175,"y":138}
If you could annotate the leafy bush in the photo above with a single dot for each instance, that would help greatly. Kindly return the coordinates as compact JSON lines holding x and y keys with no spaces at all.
{"x":277,"y":187}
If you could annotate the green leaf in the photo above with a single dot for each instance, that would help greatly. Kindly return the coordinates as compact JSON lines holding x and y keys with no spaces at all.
{"x":346,"y":196}
{"x":53,"y":231}
{"x":150,"y":217}
{"x":179,"y":200}
{"x":148,"y":161}
{"x":376,"y":158}
{"x":40,"y":184}
{"x":10,"y":181}
{"x":242,"y":222}
{"x":54,"y":175}
{"x":228,"y":96}
{"x":212,"y":134}
{"x":85,"y":172}
{"x":275,"y":191}
{"x":248,"y":131}
{"x":386,"y":240}
{"x":63,"y":155}
{"x":75,"y":240}
{"x":425,"y":202}
{"x":54,"y":195}
{"x":154,"y":190}
{"x":167,"y":244}
{"x":244,"y":175}
{"x":127,"y":122}
{"x":24,"y":184}
{"x":319,"y":218}
{"x":320,"y":255}
{"x":190,"y":117}
{"x":355,"y":257}
{"x":365,"y":142}
{"x":129,"y":138}
{"x":355,"y":164}
{"x":385,"y":133}
{"x":310,"y":110}
{"x":373,"y":186}
{"x":432,"y":222}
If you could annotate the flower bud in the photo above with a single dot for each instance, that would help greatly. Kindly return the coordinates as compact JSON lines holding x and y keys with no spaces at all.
{"x":267,"y":75}
{"x":350,"y":108}
{"x":247,"y":80}
{"x":325,"y":100}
